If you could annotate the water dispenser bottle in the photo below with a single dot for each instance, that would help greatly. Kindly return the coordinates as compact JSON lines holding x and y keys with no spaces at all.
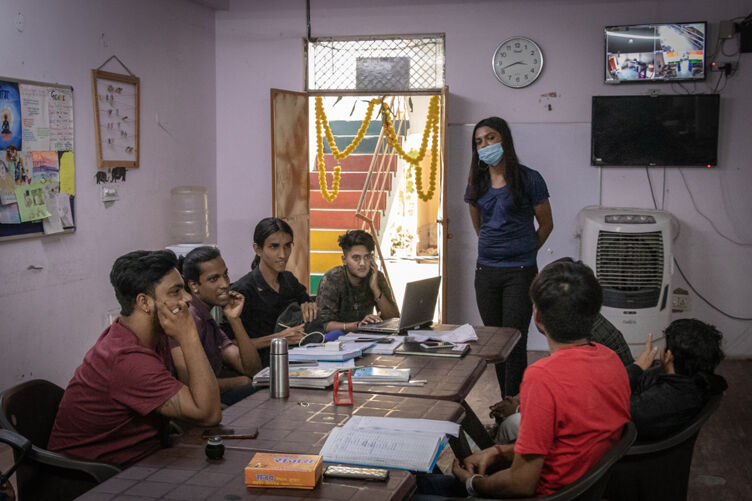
{"x":190,"y":215}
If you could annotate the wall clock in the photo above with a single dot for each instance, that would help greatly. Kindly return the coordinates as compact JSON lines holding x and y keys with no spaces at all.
{"x":517,"y":62}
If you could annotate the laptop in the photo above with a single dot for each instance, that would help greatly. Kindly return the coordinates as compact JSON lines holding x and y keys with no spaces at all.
{"x":418,"y":306}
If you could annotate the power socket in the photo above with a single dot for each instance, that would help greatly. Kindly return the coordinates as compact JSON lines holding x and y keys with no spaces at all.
{"x":729,"y":67}
{"x":680,"y":300}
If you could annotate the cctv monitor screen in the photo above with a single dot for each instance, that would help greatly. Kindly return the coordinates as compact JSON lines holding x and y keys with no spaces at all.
{"x":655,"y":52}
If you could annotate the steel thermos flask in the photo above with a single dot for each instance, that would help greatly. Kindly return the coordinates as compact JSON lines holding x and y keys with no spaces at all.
{"x":279,"y":377}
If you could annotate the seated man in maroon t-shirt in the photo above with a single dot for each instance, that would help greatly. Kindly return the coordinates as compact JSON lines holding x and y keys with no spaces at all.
{"x":574,"y":403}
{"x":122,"y":394}
{"x":206,"y":274}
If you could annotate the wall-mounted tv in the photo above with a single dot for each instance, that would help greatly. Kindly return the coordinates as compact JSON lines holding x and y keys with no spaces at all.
{"x":675,"y":130}
{"x":655,"y":52}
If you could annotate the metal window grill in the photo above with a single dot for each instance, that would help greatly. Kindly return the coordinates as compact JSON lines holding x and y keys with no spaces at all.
{"x":385,"y":63}
{"x":630,"y":261}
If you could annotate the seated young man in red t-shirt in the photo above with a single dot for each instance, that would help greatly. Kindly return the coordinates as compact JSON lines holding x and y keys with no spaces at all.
{"x":122,"y":394}
{"x":574,"y":403}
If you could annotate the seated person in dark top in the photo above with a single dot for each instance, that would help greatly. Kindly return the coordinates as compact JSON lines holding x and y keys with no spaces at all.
{"x":121,"y":396}
{"x":666,"y":398}
{"x":269,"y":289}
{"x":347,"y":294}
{"x":574,"y":403}
{"x":205,"y":274}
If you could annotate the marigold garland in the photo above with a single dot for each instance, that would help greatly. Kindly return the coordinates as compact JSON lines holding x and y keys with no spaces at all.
{"x":321,"y":121}
{"x":432,"y":127}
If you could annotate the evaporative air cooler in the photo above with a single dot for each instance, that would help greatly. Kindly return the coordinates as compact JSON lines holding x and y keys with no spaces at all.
{"x":630,"y":251}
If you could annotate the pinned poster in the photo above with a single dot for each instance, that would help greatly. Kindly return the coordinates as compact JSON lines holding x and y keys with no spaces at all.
{"x":35,"y":117}
{"x":7,"y":180}
{"x":67,"y":173}
{"x":46,"y":168}
{"x":60,"y":110}
{"x":64,"y":209}
{"x":10,"y":115}
{"x":52,"y":223}
{"x":9,"y":214}
{"x":31,"y":205}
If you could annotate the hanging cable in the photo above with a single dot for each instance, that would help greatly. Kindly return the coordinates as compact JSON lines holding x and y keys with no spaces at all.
{"x":692,"y":198}
{"x":676,"y":262}
{"x":733,"y":317}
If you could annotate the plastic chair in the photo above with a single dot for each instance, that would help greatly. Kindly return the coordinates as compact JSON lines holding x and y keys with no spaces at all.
{"x":20,"y":445}
{"x":590,"y":486}
{"x":29,"y":411}
{"x":659,"y":470}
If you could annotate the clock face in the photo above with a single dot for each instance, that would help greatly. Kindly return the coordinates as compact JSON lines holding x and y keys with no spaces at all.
{"x":517,"y":62}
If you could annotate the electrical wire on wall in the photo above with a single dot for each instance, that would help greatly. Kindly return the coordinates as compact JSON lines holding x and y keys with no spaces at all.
{"x":676,"y":262}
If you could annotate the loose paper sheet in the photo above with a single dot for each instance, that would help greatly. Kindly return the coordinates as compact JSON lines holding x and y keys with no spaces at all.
{"x":7,"y":180}
{"x":461,"y":334}
{"x":51,"y":224}
{"x":9,"y":214}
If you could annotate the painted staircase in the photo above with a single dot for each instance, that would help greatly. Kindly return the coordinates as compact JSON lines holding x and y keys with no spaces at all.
{"x":329,"y":220}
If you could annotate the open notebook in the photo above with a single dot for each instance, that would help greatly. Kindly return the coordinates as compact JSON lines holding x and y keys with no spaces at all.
{"x":409,"y":444}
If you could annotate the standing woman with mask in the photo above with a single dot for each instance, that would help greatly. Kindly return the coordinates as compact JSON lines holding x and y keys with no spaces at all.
{"x":505,"y":199}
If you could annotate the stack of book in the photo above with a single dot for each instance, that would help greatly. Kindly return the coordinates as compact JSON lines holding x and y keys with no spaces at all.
{"x":300,"y":377}
{"x":384,"y":375}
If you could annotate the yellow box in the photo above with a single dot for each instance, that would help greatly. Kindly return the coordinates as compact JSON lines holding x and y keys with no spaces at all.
{"x":291,"y":471}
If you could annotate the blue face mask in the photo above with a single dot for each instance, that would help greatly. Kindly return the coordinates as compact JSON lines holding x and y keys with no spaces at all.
{"x":491,"y":154}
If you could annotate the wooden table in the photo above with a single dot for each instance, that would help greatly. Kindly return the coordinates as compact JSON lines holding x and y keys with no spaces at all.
{"x":298,"y":424}
{"x":449,"y":378}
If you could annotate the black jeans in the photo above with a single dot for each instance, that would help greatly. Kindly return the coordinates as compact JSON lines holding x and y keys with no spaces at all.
{"x":504,"y":301}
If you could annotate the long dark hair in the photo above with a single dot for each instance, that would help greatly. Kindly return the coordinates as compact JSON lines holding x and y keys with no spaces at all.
{"x":266,"y":228}
{"x":480,"y":179}
{"x":190,"y":264}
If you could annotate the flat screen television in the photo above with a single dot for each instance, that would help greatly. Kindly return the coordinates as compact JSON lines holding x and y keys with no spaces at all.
{"x":675,"y":130}
{"x":655,"y":52}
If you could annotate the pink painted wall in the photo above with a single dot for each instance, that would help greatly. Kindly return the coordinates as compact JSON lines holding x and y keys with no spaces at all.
{"x":258,"y":46}
{"x":49,"y":318}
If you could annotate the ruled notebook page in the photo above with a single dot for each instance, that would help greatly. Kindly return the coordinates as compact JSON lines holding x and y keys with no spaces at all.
{"x":410,"y":451}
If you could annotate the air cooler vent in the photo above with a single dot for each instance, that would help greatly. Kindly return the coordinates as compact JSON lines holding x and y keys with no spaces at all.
{"x":629,"y":267}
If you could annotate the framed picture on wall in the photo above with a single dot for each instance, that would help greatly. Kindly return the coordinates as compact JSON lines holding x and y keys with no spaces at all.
{"x":116,"y":117}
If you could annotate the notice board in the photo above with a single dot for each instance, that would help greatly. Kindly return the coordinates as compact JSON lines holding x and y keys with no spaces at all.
{"x":37,"y":167}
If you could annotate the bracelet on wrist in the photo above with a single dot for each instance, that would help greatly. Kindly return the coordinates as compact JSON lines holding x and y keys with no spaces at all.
{"x":469,"y":485}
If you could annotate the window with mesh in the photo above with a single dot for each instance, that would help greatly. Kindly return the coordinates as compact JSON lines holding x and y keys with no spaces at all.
{"x":376,"y":63}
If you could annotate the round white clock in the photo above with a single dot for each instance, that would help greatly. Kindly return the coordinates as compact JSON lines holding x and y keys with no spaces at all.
{"x":517,"y":62}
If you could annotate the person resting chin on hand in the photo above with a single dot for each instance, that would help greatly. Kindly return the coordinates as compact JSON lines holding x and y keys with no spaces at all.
{"x":348,"y":294}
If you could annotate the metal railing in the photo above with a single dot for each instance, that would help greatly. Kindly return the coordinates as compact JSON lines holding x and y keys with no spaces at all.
{"x":379,"y":171}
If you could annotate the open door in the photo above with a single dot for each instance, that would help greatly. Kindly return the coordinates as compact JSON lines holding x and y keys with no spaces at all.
{"x":289,"y":120}
{"x":443,"y":221}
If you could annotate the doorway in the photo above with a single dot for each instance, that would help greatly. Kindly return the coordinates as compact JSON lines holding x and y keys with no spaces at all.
{"x":377,"y":192}
{"x":380,"y":185}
